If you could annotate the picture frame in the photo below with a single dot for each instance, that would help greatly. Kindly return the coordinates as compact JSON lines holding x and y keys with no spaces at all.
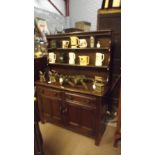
{"x":106,"y":4}
{"x":116,"y":3}
{"x":41,"y":25}
{"x":110,"y":4}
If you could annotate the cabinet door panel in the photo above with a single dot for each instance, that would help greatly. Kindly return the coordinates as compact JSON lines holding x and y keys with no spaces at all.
{"x":49,"y":92}
{"x":46,"y":107}
{"x":49,"y":108}
{"x":56,"y":111}
{"x":80,"y":118}
{"x":73,"y":115}
{"x":88,"y":118}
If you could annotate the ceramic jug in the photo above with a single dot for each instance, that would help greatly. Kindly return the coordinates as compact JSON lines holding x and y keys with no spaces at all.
{"x":74,"y":42}
{"x":72,"y":58}
{"x":99,"y":59}
{"x":52,"y":57}
{"x":84,"y":60}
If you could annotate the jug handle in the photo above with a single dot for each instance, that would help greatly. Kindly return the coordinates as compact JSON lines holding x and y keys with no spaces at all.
{"x":78,"y":40}
{"x":102,"y":57}
{"x":87,"y":60}
{"x":54,"y":56}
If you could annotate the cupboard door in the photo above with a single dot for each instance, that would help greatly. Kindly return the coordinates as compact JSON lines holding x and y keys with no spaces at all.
{"x":80,"y":118}
{"x":49,"y":108}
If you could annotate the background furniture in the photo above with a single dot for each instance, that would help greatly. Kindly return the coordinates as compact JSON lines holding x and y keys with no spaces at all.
{"x":77,"y":108}
{"x":38,"y":142}
{"x":39,"y":64}
{"x":111,"y":19}
{"x":117,"y":136}
{"x":108,"y":4}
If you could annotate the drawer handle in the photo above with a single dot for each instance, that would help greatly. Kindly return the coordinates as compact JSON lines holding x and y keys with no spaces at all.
{"x":42,"y":91}
{"x":65,"y":110}
{"x":70,"y":97}
{"x":87,"y":101}
{"x":54,"y":93}
{"x":60,"y":108}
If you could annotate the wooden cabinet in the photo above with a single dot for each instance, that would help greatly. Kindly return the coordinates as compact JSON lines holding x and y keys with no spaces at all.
{"x":78,"y":107}
{"x":39,"y":64}
{"x":38,"y":141}
{"x":80,"y":112}
{"x":49,"y":102}
{"x":111,"y":19}
{"x":76,"y":111}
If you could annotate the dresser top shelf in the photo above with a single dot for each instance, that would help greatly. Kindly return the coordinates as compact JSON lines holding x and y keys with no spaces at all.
{"x":105,"y":49}
{"x":81,"y":34}
{"x":78,"y":65}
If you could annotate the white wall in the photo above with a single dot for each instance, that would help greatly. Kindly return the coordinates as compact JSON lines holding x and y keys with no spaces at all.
{"x":43,"y":9}
{"x":80,"y":10}
{"x":84,"y":10}
{"x":53,"y":20}
{"x":45,"y":5}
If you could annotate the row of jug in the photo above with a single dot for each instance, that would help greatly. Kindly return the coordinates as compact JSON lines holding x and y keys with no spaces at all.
{"x":83,"y":60}
{"x":76,"y":42}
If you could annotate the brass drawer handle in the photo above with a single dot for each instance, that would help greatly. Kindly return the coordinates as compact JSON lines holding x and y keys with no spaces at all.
{"x":42,"y":91}
{"x":65,"y":110}
{"x":60,"y":108}
{"x":87,"y":101}
{"x":70,"y":97}
{"x":54,"y":93}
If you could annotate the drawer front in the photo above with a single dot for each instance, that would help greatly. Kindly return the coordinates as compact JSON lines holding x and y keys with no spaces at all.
{"x":49,"y":92}
{"x":80,"y":99}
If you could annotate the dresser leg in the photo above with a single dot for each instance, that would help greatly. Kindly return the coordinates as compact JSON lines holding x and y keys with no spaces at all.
{"x":97,"y":142}
{"x":98,"y":139}
{"x":117,"y":138}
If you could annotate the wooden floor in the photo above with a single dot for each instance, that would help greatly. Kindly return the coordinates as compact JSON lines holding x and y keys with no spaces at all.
{"x":59,"y":141}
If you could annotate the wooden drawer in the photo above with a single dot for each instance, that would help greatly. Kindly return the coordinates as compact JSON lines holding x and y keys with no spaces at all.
{"x":49,"y":92}
{"x":80,"y":99}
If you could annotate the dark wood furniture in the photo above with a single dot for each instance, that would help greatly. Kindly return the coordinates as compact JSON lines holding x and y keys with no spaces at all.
{"x":110,"y":4}
{"x":111,"y":19}
{"x":38,"y":142}
{"x":75,"y":108}
{"x":39,"y":64}
{"x":69,"y":30}
{"x":117,"y":135}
